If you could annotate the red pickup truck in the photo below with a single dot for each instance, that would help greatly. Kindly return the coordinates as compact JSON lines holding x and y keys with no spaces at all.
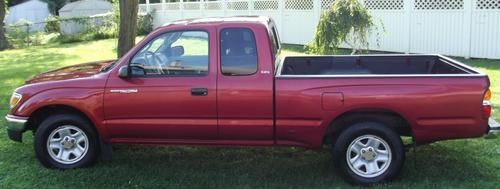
{"x":222,"y":81}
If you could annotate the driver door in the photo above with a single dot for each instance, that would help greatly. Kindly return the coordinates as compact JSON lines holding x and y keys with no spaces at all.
{"x":171,"y":93}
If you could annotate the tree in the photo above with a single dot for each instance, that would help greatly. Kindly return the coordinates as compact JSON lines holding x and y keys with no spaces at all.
{"x":128,"y":25}
{"x":55,"y":5}
{"x":11,"y":3}
{"x":346,"y":21}
{"x":4,"y":44}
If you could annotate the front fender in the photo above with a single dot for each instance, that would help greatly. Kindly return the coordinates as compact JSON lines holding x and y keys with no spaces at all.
{"x":88,"y":101}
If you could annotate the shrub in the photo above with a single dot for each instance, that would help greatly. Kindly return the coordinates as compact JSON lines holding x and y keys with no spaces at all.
{"x":347,"y":21}
{"x":144,"y":24}
{"x":52,"y":24}
{"x":92,"y":28}
{"x":18,"y":33}
{"x":103,"y":29}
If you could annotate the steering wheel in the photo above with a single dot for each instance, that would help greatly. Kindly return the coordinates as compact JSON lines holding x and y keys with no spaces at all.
{"x":153,"y":59}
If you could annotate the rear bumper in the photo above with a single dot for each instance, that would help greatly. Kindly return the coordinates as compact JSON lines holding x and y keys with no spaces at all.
{"x":493,"y":126}
{"x":16,"y":125}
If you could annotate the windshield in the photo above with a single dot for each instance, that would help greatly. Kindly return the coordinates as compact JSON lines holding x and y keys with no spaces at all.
{"x":173,"y":53}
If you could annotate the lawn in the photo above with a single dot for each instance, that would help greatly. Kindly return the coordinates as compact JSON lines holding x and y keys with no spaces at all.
{"x":473,"y":163}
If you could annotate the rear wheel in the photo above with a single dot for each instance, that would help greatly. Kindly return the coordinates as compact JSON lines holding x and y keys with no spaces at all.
{"x":368,"y":152}
{"x":66,"y":141}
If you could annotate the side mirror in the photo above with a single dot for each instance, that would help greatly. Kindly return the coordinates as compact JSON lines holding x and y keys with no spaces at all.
{"x":177,"y":51}
{"x":123,"y":72}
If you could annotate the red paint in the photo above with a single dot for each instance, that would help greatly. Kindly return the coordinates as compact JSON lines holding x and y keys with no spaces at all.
{"x":240,"y":110}
{"x":486,"y":111}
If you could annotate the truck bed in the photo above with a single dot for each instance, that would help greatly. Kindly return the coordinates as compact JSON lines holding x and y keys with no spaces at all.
{"x":439,"y":97}
{"x":366,"y":65}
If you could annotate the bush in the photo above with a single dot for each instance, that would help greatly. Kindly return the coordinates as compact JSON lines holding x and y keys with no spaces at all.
{"x":18,"y":33}
{"x":93,"y":28}
{"x":52,"y":24}
{"x":144,"y":24}
{"x":347,"y":21}
{"x":105,"y":29}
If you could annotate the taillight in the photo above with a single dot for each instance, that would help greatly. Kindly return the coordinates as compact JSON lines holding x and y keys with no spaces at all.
{"x":487,"y":104}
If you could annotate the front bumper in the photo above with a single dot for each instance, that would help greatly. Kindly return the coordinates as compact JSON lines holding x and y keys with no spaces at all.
{"x":16,"y":125}
{"x":493,"y":126}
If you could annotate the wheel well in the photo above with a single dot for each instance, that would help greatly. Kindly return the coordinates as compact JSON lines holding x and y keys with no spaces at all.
{"x":389,"y":118}
{"x":41,"y":114}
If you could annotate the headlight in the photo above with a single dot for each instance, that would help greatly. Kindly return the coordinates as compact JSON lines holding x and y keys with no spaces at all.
{"x":14,"y":100}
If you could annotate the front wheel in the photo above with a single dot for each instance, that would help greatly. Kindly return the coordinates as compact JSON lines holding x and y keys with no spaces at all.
{"x":368,"y":153}
{"x":66,"y":141}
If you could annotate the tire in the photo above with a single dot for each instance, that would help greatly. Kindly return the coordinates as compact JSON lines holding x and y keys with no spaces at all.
{"x":74,"y":145}
{"x":367,"y":153}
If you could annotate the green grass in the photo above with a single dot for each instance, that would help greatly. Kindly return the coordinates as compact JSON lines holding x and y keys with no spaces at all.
{"x":473,"y":163}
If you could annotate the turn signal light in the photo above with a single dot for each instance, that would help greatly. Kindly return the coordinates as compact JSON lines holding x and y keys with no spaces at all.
{"x":14,"y":100}
{"x":487,"y":95}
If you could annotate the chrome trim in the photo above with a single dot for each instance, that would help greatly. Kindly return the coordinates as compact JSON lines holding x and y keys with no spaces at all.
{"x":380,"y":76}
{"x":494,"y":125}
{"x":14,"y":123}
{"x":125,"y":91}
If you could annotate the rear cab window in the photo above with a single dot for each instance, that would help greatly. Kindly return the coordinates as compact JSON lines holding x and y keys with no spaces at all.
{"x":238,"y":52}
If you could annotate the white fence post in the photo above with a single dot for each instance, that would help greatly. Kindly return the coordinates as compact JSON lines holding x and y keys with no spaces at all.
{"x":148,"y":6}
{"x":202,"y":7}
{"x":281,"y":8}
{"x":317,"y":9}
{"x":250,"y":7}
{"x":408,"y":8}
{"x":224,"y":7}
{"x":468,"y":7}
{"x":181,"y":8}
{"x":163,"y":4}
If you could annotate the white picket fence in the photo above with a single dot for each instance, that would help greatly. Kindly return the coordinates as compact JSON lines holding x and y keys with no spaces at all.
{"x":466,"y":28}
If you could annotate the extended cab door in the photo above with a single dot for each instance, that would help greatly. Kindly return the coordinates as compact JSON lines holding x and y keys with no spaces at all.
{"x":245,"y":84}
{"x":172,"y":91}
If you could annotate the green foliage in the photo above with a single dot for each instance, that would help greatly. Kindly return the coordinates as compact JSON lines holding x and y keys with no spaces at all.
{"x":18,"y":33}
{"x":55,"y":5}
{"x":347,"y":21}
{"x":144,"y":24}
{"x":92,"y":29}
{"x":11,"y":3}
{"x":52,"y":24}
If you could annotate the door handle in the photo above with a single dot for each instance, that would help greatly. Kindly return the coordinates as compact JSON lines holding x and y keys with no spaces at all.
{"x":199,"y":92}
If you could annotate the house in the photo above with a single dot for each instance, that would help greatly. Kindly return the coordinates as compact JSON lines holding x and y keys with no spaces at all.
{"x":80,"y":9}
{"x":33,"y":11}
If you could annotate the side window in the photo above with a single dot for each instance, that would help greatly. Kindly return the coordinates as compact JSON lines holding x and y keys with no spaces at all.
{"x":238,"y":52}
{"x":183,"y":53}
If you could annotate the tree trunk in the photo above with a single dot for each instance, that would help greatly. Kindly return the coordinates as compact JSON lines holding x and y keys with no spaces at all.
{"x":4,"y":44}
{"x":128,"y":25}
